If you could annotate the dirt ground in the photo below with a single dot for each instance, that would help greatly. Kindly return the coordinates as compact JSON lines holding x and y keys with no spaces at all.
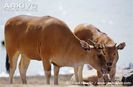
{"x":39,"y":81}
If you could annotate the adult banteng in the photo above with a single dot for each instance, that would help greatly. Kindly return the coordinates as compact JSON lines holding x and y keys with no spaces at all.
{"x":50,"y":40}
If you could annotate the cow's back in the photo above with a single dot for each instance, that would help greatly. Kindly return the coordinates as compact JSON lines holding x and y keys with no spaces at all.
{"x":85,"y":32}
{"x":35,"y":36}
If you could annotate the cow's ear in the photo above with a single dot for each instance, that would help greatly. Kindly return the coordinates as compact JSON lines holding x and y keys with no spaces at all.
{"x":84,"y":45}
{"x":121,"y":46}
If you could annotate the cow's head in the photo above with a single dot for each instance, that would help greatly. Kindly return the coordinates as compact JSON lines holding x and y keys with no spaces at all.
{"x":97,"y":54}
{"x":111,"y":54}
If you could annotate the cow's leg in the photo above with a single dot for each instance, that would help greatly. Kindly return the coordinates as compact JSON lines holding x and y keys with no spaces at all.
{"x":13,"y":57}
{"x":100,"y":78}
{"x":76,"y":74}
{"x":23,"y":65}
{"x":112,"y":74}
{"x":47,"y":69}
{"x":112,"y":77}
{"x":80,"y":77}
{"x":56,"y":73}
{"x":104,"y":79}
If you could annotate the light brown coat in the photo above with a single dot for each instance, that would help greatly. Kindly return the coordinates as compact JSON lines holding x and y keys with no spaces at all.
{"x":50,"y":40}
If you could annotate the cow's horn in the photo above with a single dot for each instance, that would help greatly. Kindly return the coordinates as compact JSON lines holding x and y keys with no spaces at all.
{"x":91,"y":42}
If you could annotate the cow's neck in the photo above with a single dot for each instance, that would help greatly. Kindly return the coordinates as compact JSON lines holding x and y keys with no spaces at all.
{"x":78,"y":56}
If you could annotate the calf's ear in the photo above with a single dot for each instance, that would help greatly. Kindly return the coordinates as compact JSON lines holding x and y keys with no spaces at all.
{"x":121,"y":46}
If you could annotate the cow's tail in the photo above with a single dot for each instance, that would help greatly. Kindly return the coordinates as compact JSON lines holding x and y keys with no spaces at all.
{"x":3,"y":43}
{"x":7,"y":64}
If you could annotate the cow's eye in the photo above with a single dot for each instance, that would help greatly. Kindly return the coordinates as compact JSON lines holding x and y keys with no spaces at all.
{"x":100,"y":54}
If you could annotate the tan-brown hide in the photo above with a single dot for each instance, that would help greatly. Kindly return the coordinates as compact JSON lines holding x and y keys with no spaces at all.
{"x":85,"y":32}
{"x":47,"y":39}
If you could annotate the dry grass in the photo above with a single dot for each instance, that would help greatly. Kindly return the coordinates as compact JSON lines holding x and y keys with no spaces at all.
{"x":39,"y":81}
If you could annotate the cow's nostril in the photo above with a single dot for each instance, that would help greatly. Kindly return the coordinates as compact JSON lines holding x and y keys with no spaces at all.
{"x":109,"y":69}
{"x":109,"y":64}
